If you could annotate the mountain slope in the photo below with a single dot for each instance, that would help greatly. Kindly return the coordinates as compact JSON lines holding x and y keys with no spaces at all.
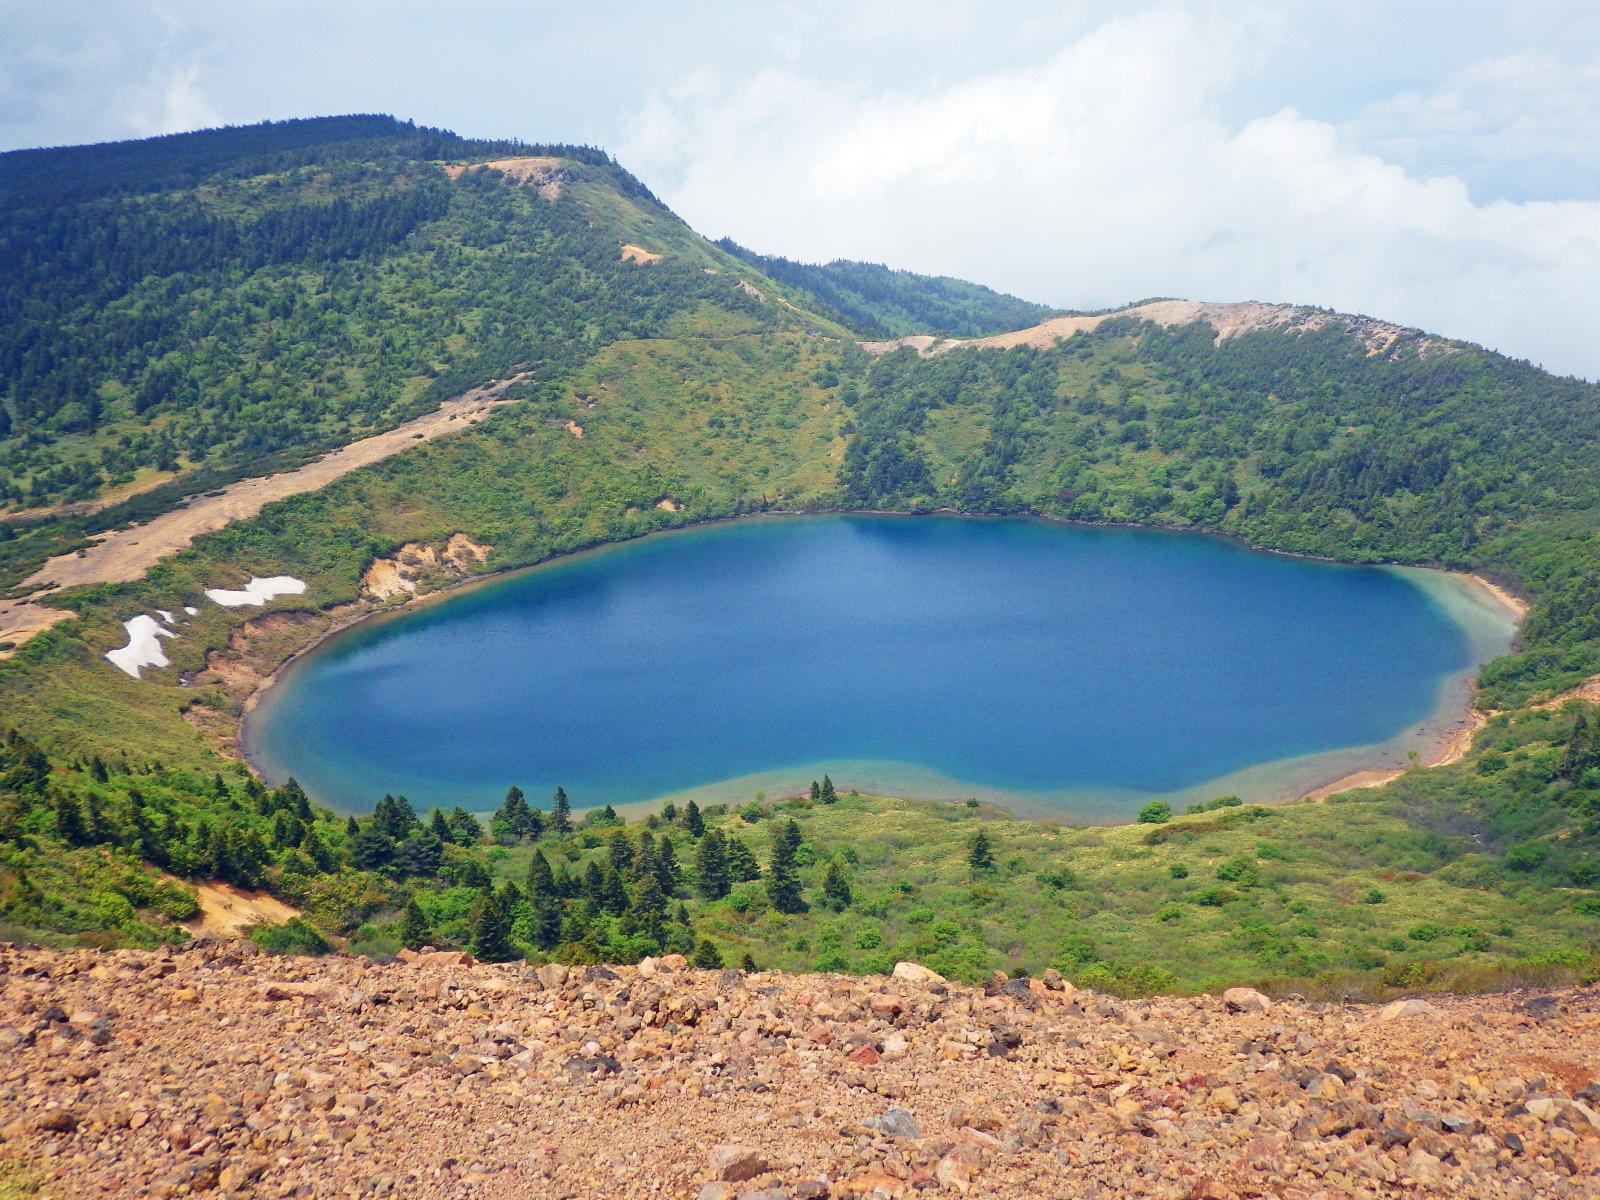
{"x":875,"y":301}
{"x":216,"y":318}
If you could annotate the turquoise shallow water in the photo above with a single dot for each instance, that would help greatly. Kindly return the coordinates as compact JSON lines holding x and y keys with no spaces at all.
{"x":1053,"y":668}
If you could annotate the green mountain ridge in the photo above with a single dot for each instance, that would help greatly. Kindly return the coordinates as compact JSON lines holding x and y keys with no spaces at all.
{"x":186,"y":311}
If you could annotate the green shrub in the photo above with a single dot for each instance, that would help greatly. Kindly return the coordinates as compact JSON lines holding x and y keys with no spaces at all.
{"x":1178,"y":871}
{"x":1157,"y":812}
{"x":1240,"y":870}
{"x":294,"y":936}
{"x":1526,"y":856}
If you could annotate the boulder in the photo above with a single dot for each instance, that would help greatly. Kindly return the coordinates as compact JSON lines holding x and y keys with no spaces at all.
{"x":897,"y":1122}
{"x":1402,"y":1010}
{"x":1243,"y":999}
{"x":734,"y":1164}
{"x":446,"y":958}
{"x":917,"y":973}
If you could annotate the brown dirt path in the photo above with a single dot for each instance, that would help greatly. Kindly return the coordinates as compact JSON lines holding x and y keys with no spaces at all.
{"x":123,"y":555}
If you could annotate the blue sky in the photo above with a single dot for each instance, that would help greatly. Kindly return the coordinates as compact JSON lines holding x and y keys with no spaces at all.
{"x":1432,"y":163}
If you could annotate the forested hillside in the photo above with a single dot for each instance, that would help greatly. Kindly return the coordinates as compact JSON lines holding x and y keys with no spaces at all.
{"x":1300,"y":441}
{"x":178,"y":313}
{"x":875,"y":301}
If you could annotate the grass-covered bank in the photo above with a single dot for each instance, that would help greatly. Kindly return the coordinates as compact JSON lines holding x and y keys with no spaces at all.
{"x":1472,"y":876}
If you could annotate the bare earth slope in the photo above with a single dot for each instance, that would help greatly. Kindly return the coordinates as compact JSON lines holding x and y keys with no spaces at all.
{"x":126,"y":554}
{"x":1229,"y":320}
{"x":214,"y":1072}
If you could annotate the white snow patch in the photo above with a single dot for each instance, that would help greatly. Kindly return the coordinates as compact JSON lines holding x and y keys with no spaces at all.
{"x":257,"y":591}
{"x":190,"y":611}
{"x":144,"y":645}
{"x":165,"y":616}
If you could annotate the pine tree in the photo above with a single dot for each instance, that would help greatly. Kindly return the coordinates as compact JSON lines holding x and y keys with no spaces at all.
{"x":619,"y":850}
{"x":742,"y":864}
{"x":613,"y":893}
{"x":693,"y":821}
{"x":980,"y":853}
{"x":748,"y":962}
{"x":510,"y":821}
{"x":666,"y":866}
{"x":464,"y":827}
{"x":648,"y":913}
{"x":541,"y":881}
{"x":816,"y":790}
{"x":560,"y":813}
{"x":706,"y":956}
{"x":546,"y":922}
{"x":441,"y":827}
{"x":711,"y":866}
{"x":491,"y":929}
{"x":783,"y":877}
{"x":69,"y":821}
{"x":826,"y":792}
{"x":414,"y":931}
{"x":836,"y":892}
{"x":669,"y":812}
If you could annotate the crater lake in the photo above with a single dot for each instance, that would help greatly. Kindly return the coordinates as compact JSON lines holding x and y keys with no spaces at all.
{"x":1053,"y":669}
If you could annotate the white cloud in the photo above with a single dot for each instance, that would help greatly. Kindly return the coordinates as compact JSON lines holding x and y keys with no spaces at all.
{"x":170,"y":101}
{"x":1102,"y":173}
{"x":1522,"y":123}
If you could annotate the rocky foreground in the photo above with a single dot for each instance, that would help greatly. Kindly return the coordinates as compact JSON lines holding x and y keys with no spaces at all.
{"x":218,"y":1072}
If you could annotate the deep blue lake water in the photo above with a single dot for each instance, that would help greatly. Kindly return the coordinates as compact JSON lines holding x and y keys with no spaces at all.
{"x":1051,"y":668}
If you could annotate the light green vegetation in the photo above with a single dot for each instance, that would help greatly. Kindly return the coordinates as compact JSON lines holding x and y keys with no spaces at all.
{"x":228,"y":304}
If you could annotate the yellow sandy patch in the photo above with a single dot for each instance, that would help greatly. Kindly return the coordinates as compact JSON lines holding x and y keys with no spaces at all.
{"x":574,"y":429}
{"x":638,"y":254}
{"x":225,"y":910}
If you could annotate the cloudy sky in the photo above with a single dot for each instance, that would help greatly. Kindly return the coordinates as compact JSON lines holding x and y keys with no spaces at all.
{"x":1436,"y":163}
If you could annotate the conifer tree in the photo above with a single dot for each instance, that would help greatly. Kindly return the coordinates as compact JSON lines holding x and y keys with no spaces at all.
{"x":69,"y":821}
{"x":706,"y":956}
{"x":619,"y":850}
{"x":491,"y":929}
{"x":510,"y":821}
{"x":613,"y":893}
{"x":783,"y":876}
{"x":413,"y":926}
{"x":560,"y":813}
{"x":816,"y":790}
{"x":666,"y":866}
{"x":693,"y":821}
{"x":748,"y":962}
{"x":541,"y":881}
{"x":742,"y":864}
{"x":669,"y":812}
{"x":980,"y":853}
{"x":826,"y":792}
{"x":647,"y":913}
{"x":441,"y":827}
{"x":836,"y":892}
{"x":711,"y":866}
{"x":465,"y":827}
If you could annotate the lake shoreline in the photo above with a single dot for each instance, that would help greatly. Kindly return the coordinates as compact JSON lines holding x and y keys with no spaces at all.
{"x":1449,"y":744}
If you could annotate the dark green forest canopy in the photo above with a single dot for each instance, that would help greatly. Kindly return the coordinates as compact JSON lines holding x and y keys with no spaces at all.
{"x":875,"y":301}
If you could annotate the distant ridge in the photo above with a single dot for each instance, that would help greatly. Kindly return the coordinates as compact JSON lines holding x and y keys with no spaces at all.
{"x":1228,"y":319}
